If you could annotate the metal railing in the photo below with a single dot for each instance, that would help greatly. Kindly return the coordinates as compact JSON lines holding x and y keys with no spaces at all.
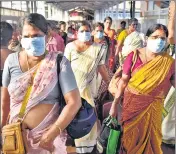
{"x":12,"y":12}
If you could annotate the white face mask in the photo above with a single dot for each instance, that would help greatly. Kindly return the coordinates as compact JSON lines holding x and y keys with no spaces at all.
{"x":156,"y":46}
{"x":84,"y":36}
{"x":99,"y":35}
{"x":70,"y":35}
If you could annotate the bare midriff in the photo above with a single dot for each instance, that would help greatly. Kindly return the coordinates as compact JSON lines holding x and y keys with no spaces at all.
{"x":36,"y":115}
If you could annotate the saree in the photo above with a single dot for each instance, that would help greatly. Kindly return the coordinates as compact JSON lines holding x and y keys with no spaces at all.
{"x":142,"y":107}
{"x":84,"y":66}
{"x":44,"y":82}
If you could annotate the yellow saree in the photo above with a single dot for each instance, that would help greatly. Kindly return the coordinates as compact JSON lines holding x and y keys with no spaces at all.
{"x":142,"y":106}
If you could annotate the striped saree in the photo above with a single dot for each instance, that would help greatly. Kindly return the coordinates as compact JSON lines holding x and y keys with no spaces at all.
{"x":142,"y":106}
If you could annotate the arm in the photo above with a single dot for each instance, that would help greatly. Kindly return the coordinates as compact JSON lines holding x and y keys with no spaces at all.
{"x":120,"y":90}
{"x":5,"y":105}
{"x":103,"y":71}
{"x":119,"y":47}
{"x":73,"y":103}
{"x":171,"y":24}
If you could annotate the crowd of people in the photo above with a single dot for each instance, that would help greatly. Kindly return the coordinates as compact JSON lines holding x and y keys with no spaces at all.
{"x":92,"y":54}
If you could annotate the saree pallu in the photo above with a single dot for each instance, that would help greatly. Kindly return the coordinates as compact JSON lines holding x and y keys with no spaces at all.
{"x":142,"y":106}
{"x":44,"y":81}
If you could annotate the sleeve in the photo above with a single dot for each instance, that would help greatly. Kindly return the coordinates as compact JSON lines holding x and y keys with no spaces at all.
{"x":66,"y":77}
{"x":127,"y":64}
{"x":6,"y":73}
{"x":103,"y":58}
{"x":122,"y":36}
{"x":67,"y":52}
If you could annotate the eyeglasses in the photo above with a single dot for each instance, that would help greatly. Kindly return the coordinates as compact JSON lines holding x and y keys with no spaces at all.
{"x":157,"y":37}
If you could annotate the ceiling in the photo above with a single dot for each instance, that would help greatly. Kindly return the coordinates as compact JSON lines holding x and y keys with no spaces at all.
{"x":87,"y":4}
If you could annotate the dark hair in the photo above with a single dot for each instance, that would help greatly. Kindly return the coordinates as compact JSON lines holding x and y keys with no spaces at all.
{"x":99,"y":24}
{"x":36,"y":20}
{"x":108,"y":18}
{"x":52,"y":24}
{"x":62,"y":23}
{"x":132,"y":20}
{"x":123,"y":22}
{"x":84,"y":23}
{"x":155,"y":27}
{"x":6,"y":33}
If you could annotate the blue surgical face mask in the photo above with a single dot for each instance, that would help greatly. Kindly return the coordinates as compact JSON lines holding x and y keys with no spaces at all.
{"x":156,"y":46}
{"x":84,"y":36}
{"x":99,"y":35}
{"x":34,"y":46}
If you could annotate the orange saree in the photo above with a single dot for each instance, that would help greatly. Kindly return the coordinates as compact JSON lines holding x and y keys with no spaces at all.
{"x":142,"y":106}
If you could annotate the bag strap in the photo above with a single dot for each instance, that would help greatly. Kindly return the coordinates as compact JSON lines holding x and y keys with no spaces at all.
{"x":61,"y":97}
{"x":26,"y":98}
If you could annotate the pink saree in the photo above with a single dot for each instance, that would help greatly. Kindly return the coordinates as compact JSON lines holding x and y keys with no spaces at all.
{"x":44,"y":82}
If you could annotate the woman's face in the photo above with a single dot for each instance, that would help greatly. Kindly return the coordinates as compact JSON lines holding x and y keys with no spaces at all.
{"x":157,"y":41}
{"x":99,"y":29}
{"x":30,"y":31}
{"x":107,"y":23}
{"x":84,"y":29}
{"x":159,"y":33}
{"x":134,"y":25}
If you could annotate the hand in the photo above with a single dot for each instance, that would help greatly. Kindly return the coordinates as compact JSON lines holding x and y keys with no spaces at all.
{"x":113,"y":110}
{"x":47,"y":139}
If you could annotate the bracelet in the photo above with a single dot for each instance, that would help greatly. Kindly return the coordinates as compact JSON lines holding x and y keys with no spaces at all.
{"x":58,"y":127}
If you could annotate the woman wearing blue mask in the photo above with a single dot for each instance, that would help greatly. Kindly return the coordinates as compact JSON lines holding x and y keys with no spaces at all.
{"x":86,"y":58}
{"x":101,"y":86}
{"x":33,"y":68}
{"x":148,"y":74}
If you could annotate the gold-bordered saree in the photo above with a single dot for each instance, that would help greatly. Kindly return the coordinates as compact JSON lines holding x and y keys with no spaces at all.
{"x":142,"y":106}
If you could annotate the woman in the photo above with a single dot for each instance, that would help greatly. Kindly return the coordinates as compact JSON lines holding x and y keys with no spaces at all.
{"x":6,"y":36}
{"x":86,"y":57}
{"x":71,"y":35}
{"x":111,"y":34}
{"x":98,"y":37}
{"x":145,"y":89}
{"x":54,"y":40}
{"x":44,"y":131}
{"x":132,"y":42}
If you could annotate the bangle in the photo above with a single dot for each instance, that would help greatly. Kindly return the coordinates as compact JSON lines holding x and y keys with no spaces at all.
{"x":58,"y":127}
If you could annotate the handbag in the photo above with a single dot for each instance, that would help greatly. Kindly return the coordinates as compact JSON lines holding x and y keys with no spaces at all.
{"x":113,"y":85}
{"x":108,"y":142}
{"x":13,"y":137}
{"x":86,"y":117}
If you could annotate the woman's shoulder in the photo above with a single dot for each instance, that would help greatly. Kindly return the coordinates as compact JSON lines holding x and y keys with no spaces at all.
{"x":12,"y":57}
{"x":70,"y":45}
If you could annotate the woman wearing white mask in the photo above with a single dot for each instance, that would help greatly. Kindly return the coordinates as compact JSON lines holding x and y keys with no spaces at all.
{"x":145,"y":86}
{"x":34,"y":67}
{"x":86,"y":57}
{"x":99,"y":87}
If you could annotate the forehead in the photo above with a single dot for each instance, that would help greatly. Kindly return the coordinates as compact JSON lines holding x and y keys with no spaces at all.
{"x":98,"y":28}
{"x":158,"y":32}
{"x":134,"y":22}
{"x":30,"y":30}
{"x":108,"y":21}
{"x":85,"y":27}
